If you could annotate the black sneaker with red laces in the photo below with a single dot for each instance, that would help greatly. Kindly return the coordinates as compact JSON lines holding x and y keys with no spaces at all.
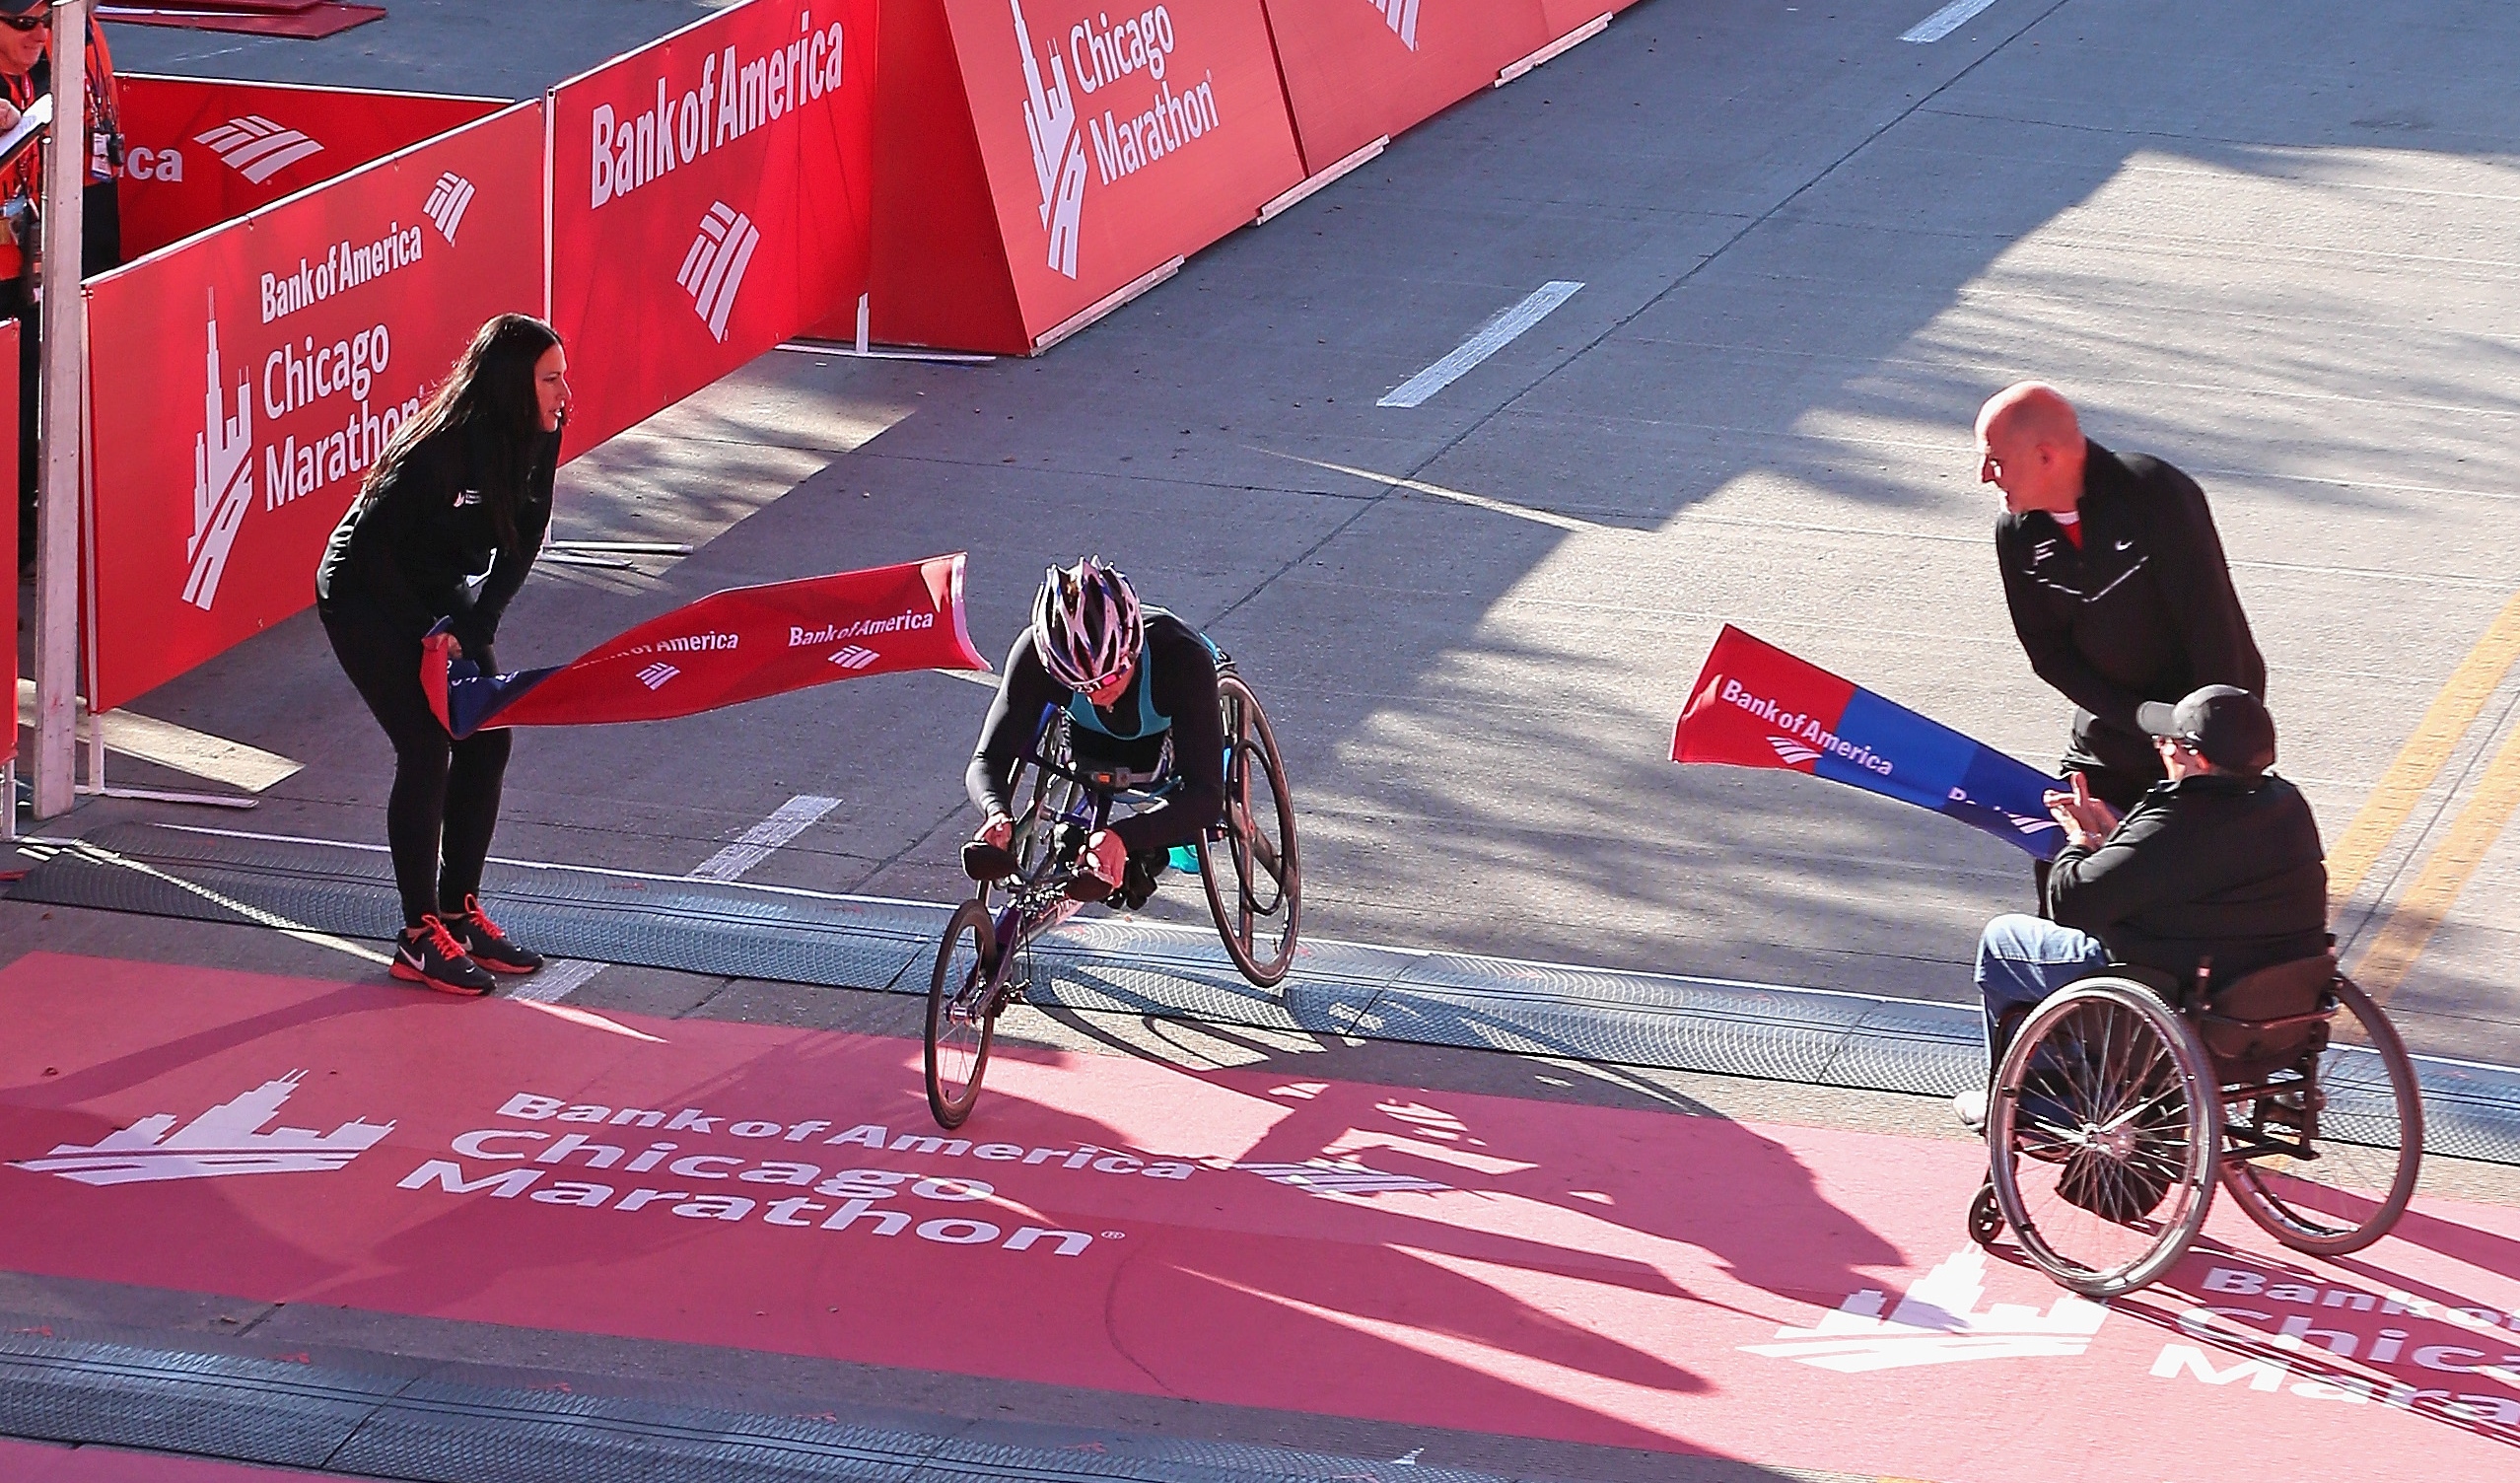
{"x":489,"y":946}
{"x":429,"y":954}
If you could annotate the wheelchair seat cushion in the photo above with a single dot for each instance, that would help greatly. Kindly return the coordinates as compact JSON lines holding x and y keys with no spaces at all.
{"x":2233,"y":1026}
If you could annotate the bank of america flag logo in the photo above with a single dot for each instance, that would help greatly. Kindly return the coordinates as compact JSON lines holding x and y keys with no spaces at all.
{"x":1339,"y":1176}
{"x":226,"y":1140}
{"x":221,"y":478}
{"x":447,"y":200}
{"x":1058,"y":148}
{"x":714,"y":269}
{"x":855,"y":657}
{"x":1789,"y":751}
{"x":1938,"y":1322}
{"x":256,"y":147}
{"x":655,"y":675}
{"x":1403,"y":18}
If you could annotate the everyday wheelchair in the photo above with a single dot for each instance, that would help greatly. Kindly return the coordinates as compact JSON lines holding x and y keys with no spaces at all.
{"x":2116,"y":1107}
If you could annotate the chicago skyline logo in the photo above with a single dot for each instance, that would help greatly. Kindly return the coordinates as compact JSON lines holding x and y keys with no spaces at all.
{"x":1058,"y":149}
{"x":447,"y":201}
{"x":655,"y":675}
{"x":258,"y":148}
{"x":712,"y":270}
{"x":855,"y":657}
{"x":226,"y":1140}
{"x":222,"y":479}
{"x":1402,"y":14}
{"x":1937,"y":1322}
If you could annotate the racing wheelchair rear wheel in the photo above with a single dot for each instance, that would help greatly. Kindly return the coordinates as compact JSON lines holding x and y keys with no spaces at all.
{"x":1255,"y":890}
{"x":2361,"y":1117}
{"x":2103,"y":1135}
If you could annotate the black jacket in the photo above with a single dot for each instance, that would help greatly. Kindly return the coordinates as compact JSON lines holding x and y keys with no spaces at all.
{"x":404,"y":554}
{"x":2142,"y":611}
{"x":2212,"y":866}
{"x":1174,"y":693}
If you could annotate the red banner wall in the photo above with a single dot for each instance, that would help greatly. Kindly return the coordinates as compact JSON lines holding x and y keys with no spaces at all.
{"x":1107,"y":146}
{"x":710,"y":197}
{"x":301,"y":337}
{"x":203,"y":151}
{"x":1356,"y":70}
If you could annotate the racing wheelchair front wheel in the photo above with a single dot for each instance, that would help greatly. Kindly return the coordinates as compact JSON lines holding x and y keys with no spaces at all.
{"x":2102,"y":1137}
{"x":2361,"y":1117}
{"x":1255,"y":890}
{"x":962,"y":1013}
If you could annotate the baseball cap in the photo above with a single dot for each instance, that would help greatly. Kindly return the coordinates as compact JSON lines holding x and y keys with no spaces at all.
{"x":2228,"y":724}
{"x":21,"y":7}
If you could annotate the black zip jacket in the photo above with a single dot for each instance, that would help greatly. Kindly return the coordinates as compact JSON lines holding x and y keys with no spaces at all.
{"x":2210,"y":865}
{"x":2142,"y":611}
{"x":1175,"y":690}
{"x":404,"y":554}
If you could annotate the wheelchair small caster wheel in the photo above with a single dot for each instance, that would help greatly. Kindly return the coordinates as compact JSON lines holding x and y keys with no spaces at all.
{"x":1985,"y":1218}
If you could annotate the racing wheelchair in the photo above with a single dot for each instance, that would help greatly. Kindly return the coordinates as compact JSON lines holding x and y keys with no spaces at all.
{"x":1247,"y":863}
{"x":2116,"y":1107}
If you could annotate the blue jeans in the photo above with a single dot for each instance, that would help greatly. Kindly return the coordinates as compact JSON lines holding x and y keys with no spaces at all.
{"x":2022,"y":959}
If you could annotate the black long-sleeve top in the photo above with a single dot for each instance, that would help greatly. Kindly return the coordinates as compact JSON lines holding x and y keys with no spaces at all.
{"x":404,"y":553}
{"x":1175,"y":688}
{"x":2143,"y":610}
{"x":2210,"y":865}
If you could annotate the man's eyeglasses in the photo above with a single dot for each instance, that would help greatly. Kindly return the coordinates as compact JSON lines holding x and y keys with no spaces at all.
{"x":25,"y":22}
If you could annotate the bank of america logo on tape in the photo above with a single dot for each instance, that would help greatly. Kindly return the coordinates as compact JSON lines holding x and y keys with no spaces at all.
{"x":1789,"y":751}
{"x":222,"y":479}
{"x":655,"y":675}
{"x":1327,"y":1177}
{"x":226,"y":1140}
{"x":855,"y":657}
{"x":447,"y":200}
{"x":712,"y":270}
{"x":1403,"y":17}
{"x":256,"y":147}
{"x":1058,"y":148}
{"x":1938,"y":1324}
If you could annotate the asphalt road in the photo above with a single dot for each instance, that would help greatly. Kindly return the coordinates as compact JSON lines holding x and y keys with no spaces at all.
{"x":2269,"y":244}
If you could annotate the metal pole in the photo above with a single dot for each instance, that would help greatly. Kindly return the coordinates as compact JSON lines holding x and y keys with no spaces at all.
{"x":56,"y":657}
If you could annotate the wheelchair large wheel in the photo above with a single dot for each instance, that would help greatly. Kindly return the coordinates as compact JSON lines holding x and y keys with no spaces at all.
{"x":2367,"y":1146}
{"x":2103,"y":1134}
{"x":962,"y":1013}
{"x":1035,"y":848}
{"x":1255,"y":890}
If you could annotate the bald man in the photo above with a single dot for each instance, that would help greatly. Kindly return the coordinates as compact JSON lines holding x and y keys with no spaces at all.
{"x":2116,"y":580}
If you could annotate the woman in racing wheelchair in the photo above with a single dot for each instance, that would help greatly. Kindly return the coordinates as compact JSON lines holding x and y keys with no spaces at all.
{"x":1139,"y":687}
{"x":2185,"y":966}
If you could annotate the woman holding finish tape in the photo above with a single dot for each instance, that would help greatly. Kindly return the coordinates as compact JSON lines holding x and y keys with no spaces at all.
{"x":463,"y":489}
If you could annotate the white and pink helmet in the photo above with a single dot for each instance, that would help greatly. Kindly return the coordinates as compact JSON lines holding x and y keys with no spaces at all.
{"x":1086,"y":623}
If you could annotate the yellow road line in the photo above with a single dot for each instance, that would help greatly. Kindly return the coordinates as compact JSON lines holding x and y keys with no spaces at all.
{"x":2462,"y":699}
{"x":2479,"y":822}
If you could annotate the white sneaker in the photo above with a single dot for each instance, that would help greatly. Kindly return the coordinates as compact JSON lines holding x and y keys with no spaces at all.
{"x":1971,"y":1107}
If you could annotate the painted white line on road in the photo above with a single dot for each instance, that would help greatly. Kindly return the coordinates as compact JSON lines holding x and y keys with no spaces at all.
{"x":559,"y":978}
{"x":1492,"y":337}
{"x":756,"y":844}
{"x":1943,"y":22}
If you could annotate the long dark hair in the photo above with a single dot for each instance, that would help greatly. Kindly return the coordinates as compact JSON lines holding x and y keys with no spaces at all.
{"x":491,"y":389}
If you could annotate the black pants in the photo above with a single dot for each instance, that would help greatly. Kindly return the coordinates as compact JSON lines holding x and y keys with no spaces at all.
{"x":446,"y":793}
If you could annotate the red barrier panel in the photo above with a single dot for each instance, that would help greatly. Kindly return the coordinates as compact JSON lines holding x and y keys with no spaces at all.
{"x":1356,"y":70}
{"x":9,"y":391}
{"x":1063,"y":154}
{"x":710,"y":197}
{"x":202,"y":151}
{"x":322,"y":323}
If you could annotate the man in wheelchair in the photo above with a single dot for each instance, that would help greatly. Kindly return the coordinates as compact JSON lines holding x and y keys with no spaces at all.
{"x":1139,"y":687}
{"x":2218,"y":867}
